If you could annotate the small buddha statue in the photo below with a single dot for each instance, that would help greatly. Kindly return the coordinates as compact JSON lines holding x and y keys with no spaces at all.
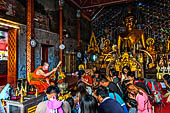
{"x":106,"y":55}
{"x":133,"y":65}
{"x":151,"y":47}
{"x":106,"y":49}
{"x":125,"y":59}
{"x":168,"y":44}
{"x":129,"y":38}
{"x":162,"y":61}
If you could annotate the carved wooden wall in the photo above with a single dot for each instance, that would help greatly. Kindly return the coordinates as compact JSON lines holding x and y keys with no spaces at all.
{"x":12,"y":56}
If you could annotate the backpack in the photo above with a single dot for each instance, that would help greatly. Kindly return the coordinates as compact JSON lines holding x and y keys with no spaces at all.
{"x":141,"y":84}
{"x":54,"y":106}
{"x":156,"y":96}
{"x":117,"y":82}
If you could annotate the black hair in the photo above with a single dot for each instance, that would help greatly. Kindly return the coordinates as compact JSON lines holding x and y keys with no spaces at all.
{"x":80,"y":94}
{"x":88,"y":104}
{"x":103,"y":92}
{"x":70,"y":100}
{"x":53,"y":89}
{"x":81,"y":86}
{"x":96,"y":72}
{"x":132,"y":102}
{"x":103,"y":80}
{"x":44,"y":63}
{"x":125,"y":67}
{"x":131,"y":74}
{"x":81,"y":72}
{"x":166,"y":76}
{"x":114,"y":72}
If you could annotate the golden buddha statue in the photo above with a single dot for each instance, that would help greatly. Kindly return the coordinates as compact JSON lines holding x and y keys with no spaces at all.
{"x":125,"y":59}
{"x":93,"y":47}
{"x":107,"y":48}
{"x":151,"y":48}
{"x":118,"y":65}
{"x":133,"y":64}
{"x":168,"y":44}
{"x":131,"y":36}
{"x":105,"y":54}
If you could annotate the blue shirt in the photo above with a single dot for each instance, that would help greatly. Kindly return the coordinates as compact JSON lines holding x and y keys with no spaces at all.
{"x":110,"y":106}
{"x":119,"y":100}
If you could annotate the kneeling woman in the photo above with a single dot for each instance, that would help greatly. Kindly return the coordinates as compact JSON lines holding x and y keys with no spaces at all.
{"x":141,"y":97}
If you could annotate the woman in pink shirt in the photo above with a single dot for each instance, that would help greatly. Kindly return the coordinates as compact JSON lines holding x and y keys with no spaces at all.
{"x":141,"y":97}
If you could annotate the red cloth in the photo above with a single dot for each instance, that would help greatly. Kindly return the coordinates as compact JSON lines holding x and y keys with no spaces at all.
{"x":40,"y":86}
{"x":88,"y":78}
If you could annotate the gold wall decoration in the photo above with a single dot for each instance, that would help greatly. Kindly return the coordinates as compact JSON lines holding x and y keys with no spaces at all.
{"x":93,"y":46}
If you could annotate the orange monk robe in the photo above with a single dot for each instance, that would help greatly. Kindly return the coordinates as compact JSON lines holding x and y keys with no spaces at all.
{"x":39,"y":81}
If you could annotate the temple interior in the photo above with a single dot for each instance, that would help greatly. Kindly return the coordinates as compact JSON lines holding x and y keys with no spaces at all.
{"x":70,"y":44}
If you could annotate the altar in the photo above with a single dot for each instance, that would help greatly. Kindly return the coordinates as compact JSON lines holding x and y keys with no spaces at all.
{"x":29,"y":104}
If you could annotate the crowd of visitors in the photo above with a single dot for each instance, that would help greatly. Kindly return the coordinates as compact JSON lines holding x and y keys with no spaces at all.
{"x":97,"y":93}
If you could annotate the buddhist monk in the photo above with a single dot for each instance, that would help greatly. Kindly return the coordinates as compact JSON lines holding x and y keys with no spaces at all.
{"x":40,"y":78}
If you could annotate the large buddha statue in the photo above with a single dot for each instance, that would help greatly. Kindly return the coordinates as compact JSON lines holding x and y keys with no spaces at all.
{"x":128,"y":40}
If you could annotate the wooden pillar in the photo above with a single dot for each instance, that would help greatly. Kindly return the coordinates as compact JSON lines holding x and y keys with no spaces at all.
{"x":78,"y":29}
{"x":61,"y":2}
{"x":30,"y":35}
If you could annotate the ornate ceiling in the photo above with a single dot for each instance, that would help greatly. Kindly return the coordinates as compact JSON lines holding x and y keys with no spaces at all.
{"x":91,"y":7}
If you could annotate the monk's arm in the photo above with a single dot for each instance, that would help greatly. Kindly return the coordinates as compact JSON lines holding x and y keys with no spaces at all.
{"x":40,"y":72}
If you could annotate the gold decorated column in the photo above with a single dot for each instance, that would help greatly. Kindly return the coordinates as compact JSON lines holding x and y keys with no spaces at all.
{"x":78,"y":29}
{"x":61,"y":2}
{"x":30,"y":34}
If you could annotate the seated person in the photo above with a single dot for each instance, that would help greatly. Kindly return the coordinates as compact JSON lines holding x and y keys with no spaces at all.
{"x":40,"y":78}
{"x":52,"y":105}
